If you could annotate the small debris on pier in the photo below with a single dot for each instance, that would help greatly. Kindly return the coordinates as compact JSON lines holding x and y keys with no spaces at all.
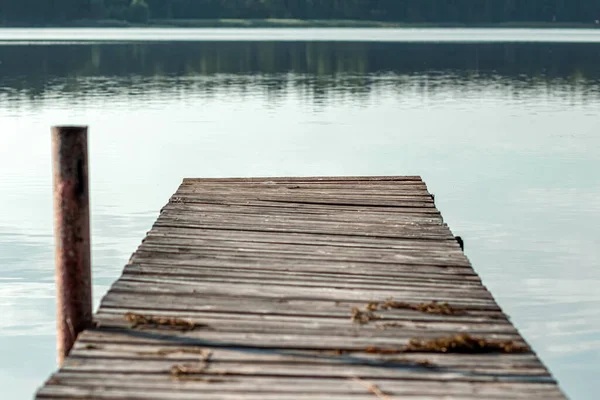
{"x":363,"y":317}
{"x":138,"y":320}
{"x":165,"y":352}
{"x":185,"y":372}
{"x":425,"y":364}
{"x":462,"y":343}
{"x":432,"y":307}
{"x":391,"y":325}
{"x":187,"y":369}
{"x":179,"y":370}
{"x":465,"y":343}
{"x":372,"y":388}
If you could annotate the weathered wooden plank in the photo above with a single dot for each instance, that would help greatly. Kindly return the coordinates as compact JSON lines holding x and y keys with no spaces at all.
{"x":391,"y":270}
{"x":407,"y":277}
{"x":108,"y":348}
{"x":170,"y":286}
{"x":321,"y":200}
{"x":258,"y":182}
{"x":225,"y":236}
{"x":270,"y":340}
{"x":419,"y":194}
{"x":384,"y":232}
{"x":102,"y":392}
{"x":183,"y":210}
{"x":356,"y":184}
{"x":242,"y":384}
{"x":192,"y":209}
{"x":316,"y":197}
{"x":318,"y":247}
{"x":473,"y":290}
{"x":311,"y":367}
{"x":331,"y":252}
{"x":262,"y":305}
{"x":262,"y":224}
{"x":210,"y":339}
{"x":310,"y":335}
{"x":298,"y":324}
{"x":287,"y":253}
{"x":337,"y":215}
{"x":332,"y":370}
{"x":335,"y":179}
{"x":286,"y":276}
{"x":266,"y":258}
{"x":291,"y":204}
{"x":416,"y":194}
{"x":390,"y":319}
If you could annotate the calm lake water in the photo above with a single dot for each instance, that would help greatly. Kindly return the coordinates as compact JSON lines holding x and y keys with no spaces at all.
{"x":505,"y":132}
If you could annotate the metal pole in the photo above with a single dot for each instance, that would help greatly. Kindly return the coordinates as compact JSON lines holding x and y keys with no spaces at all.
{"x":72,"y":235}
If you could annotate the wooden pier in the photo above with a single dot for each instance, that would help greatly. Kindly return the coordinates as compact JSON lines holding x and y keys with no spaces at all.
{"x":300,"y":288}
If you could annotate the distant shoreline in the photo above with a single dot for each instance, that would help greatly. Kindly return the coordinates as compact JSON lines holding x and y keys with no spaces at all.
{"x":294,"y":23}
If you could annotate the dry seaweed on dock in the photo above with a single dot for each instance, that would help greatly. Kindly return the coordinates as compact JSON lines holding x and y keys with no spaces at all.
{"x":462,"y":343}
{"x":143,"y":321}
{"x":363,"y":317}
{"x":465,"y":343}
{"x":185,"y":370}
{"x":432,"y":307}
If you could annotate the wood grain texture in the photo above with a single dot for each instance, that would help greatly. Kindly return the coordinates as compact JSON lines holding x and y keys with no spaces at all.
{"x":276,"y":288}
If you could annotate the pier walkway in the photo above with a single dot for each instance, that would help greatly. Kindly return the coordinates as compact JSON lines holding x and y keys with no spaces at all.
{"x":300,"y":288}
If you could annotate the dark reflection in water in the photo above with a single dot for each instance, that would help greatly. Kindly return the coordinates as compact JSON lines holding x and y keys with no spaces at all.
{"x":316,"y":67}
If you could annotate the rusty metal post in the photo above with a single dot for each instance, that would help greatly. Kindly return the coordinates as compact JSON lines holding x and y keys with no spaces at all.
{"x":72,"y":235}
